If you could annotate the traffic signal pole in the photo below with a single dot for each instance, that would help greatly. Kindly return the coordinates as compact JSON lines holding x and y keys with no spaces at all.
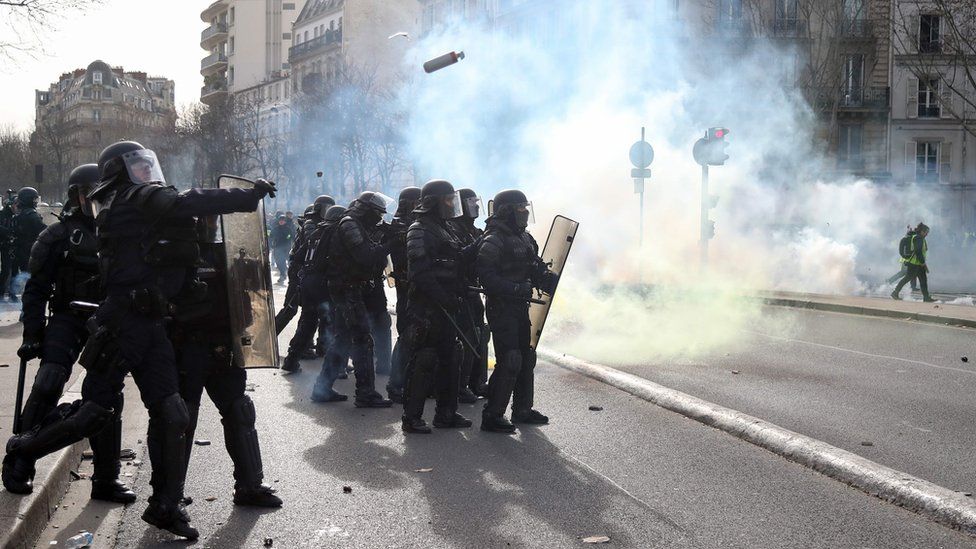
{"x":703,"y":226}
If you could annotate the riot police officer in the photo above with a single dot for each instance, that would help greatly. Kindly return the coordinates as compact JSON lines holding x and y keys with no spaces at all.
{"x":28,"y":225}
{"x":63,"y":268}
{"x":473,"y":368}
{"x":433,"y":255}
{"x":147,"y":243}
{"x":509,"y":267}
{"x":355,"y":260}
{"x":201,"y":333}
{"x":6,"y":244}
{"x":408,"y":201}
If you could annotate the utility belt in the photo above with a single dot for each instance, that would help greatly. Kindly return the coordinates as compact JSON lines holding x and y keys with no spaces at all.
{"x":143,"y":301}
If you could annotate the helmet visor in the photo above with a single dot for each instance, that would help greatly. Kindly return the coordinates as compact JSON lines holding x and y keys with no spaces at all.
{"x":524,"y":213}
{"x":450,"y":206}
{"x":472,"y":207}
{"x":380,"y":201}
{"x":143,"y":167}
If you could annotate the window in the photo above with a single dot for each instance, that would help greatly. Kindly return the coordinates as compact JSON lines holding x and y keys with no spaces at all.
{"x":928,"y":34}
{"x":926,"y":161}
{"x":98,"y":136}
{"x":849,"y":147}
{"x":230,"y":76}
{"x":786,"y":10}
{"x":729,"y":10}
{"x":853,"y":89}
{"x":928,"y":102}
{"x":306,"y":36}
{"x":97,"y":77}
{"x":288,"y":6}
{"x":96,"y":114}
{"x":854,"y":10}
{"x":232,"y":16}
{"x":97,"y":95}
{"x":230,"y":44}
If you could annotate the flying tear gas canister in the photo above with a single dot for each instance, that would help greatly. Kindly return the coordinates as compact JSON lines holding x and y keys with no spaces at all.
{"x":445,"y":60}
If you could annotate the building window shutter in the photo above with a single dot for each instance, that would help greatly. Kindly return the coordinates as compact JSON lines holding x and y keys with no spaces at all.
{"x":945,"y":100}
{"x":915,"y":27}
{"x":912,"y":95}
{"x":945,"y":162}
{"x":911,"y":150}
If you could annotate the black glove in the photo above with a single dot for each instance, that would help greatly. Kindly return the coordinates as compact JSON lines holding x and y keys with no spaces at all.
{"x":548,"y":282}
{"x":30,"y":348}
{"x":263,"y":188}
{"x":523,"y":290}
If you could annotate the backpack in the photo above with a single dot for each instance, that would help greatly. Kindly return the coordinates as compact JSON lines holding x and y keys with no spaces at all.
{"x":905,"y":247}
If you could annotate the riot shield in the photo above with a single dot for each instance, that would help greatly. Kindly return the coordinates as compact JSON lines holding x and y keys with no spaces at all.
{"x":49,"y":214}
{"x":249,"y":292}
{"x":554,"y":253}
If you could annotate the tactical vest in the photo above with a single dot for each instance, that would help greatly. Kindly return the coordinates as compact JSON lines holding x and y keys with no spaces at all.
{"x":318,"y":246}
{"x":518,"y":256}
{"x":77,"y":278}
{"x":442,"y":249}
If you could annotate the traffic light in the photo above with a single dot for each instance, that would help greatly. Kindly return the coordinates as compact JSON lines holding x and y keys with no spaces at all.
{"x":710,"y":150}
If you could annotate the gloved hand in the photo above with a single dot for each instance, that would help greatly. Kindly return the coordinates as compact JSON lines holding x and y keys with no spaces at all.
{"x":30,"y":348}
{"x":263,"y":188}
{"x":548,"y":282}
{"x":523,"y":290}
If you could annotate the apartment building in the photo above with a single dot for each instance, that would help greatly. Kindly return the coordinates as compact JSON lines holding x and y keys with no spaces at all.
{"x":91,"y":108}
{"x":246,"y":43}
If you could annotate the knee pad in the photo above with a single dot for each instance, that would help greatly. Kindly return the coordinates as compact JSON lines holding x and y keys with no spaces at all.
{"x":241,"y":412}
{"x":172,"y":412}
{"x":90,"y":419}
{"x":50,"y":379}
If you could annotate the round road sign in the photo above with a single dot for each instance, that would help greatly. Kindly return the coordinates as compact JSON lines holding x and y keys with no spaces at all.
{"x":641,"y":154}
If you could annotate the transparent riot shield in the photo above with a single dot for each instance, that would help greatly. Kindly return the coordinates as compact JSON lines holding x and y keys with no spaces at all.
{"x":560,"y":241}
{"x":249,"y":290}
{"x":49,"y":214}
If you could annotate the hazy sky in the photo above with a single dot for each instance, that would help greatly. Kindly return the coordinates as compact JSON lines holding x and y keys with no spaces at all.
{"x":160,"y":37}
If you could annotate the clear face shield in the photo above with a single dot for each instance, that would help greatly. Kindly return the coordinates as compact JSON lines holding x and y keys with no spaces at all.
{"x":450,"y":207}
{"x":472,"y":207}
{"x":382,"y":202}
{"x":143,"y":167}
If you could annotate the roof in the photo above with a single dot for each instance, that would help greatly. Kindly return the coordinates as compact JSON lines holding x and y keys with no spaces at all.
{"x":314,"y":8}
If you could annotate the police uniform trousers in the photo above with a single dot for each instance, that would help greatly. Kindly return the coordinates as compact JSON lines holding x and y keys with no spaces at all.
{"x":433,"y":363}
{"x":380,"y":325}
{"x":514,"y":375}
{"x":352,"y":335}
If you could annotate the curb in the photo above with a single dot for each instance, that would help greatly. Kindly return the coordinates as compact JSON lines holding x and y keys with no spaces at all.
{"x":867,"y":311}
{"x":935,"y":502}
{"x":35,"y":510}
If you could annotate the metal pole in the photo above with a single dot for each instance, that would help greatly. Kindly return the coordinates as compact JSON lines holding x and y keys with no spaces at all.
{"x":703,"y":245}
{"x":640,"y":239}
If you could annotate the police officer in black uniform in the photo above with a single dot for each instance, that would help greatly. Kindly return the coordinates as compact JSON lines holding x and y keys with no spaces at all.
{"x":63,"y":268}
{"x":27,"y":227}
{"x":354,"y":260}
{"x":147,"y":242}
{"x":408,"y":201}
{"x":201,"y":334}
{"x":434,"y":256}
{"x":473,"y":370}
{"x":6,"y":243}
{"x":509,"y":267}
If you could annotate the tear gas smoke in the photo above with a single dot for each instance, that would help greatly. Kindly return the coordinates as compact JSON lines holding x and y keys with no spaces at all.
{"x":554,"y":112}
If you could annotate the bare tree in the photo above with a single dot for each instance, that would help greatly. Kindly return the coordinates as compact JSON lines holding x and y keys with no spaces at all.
{"x":16,"y":167}
{"x":53,"y":142}
{"x":25,"y":21}
{"x":936,"y":41}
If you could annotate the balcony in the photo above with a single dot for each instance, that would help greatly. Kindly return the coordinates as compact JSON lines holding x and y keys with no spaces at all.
{"x":213,"y":91}
{"x":213,"y":33}
{"x":857,"y":29}
{"x":865,"y":99}
{"x":315,"y":45}
{"x":787,"y":27}
{"x":213,"y":63}
{"x":213,"y":9}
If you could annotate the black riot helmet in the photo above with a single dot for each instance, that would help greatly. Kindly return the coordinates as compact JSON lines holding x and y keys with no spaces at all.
{"x":80,"y":183}
{"x":370,"y":207}
{"x":470,"y":204}
{"x":322,"y":204}
{"x":514,"y":208}
{"x":333,"y":214}
{"x":129,"y":158}
{"x":309,"y":211}
{"x":408,"y":200}
{"x":439,"y":197}
{"x":28,"y":197}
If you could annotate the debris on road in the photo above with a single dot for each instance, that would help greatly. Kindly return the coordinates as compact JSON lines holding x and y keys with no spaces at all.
{"x":268,"y":542}
{"x":965,"y":359}
{"x":867,"y":443}
{"x":347,"y":489}
{"x":250,"y":388}
{"x":202,"y":442}
{"x":735,"y":372}
{"x":424,"y":470}
{"x":75,"y":475}
{"x":128,"y":453}
{"x":87,"y":454}
{"x":210,"y":498}
{"x":84,"y":539}
{"x":596,"y":539}
{"x":596,"y":408}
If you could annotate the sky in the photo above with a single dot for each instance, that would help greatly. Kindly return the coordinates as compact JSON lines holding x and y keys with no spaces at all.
{"x":161,"y":38}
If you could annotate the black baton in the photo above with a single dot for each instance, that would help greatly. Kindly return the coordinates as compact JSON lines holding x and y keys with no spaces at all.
{"x":460,"y":333}
{"x":21,"y":379}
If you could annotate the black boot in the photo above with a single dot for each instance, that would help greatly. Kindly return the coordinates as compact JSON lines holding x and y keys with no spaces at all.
{"x":291,"y":364}
{"x":171,"y":518}
{"x":256,"y":496}
{"x":371,"y":399}
{"x":18,"y":475}
{"x":106,"y":446}
{"x":496,"y":423}
{"x":241,"y":440}
{"x":394,"y":394}
{"x":414,"y":425}
{"x":529,"y":416}
{"x":465,"y":396}
{"x":451,"y":420}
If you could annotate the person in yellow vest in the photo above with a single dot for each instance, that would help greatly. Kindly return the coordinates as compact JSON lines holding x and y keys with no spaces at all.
{"x":916,"y":264}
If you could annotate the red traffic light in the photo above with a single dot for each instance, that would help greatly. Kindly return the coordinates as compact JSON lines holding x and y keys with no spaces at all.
{"x":717,"y":133}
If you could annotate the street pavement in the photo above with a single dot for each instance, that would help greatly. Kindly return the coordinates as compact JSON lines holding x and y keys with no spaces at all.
{"x":896,"y":392}
{"x":638,"y":474}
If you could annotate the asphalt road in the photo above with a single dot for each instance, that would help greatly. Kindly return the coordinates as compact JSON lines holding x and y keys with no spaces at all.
{"x":641,"y":475}
{"x":893,"y":391}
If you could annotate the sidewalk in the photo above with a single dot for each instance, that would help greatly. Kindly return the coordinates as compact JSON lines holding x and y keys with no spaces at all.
{"x":939,"y":313}
{"x":23,"y":518}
